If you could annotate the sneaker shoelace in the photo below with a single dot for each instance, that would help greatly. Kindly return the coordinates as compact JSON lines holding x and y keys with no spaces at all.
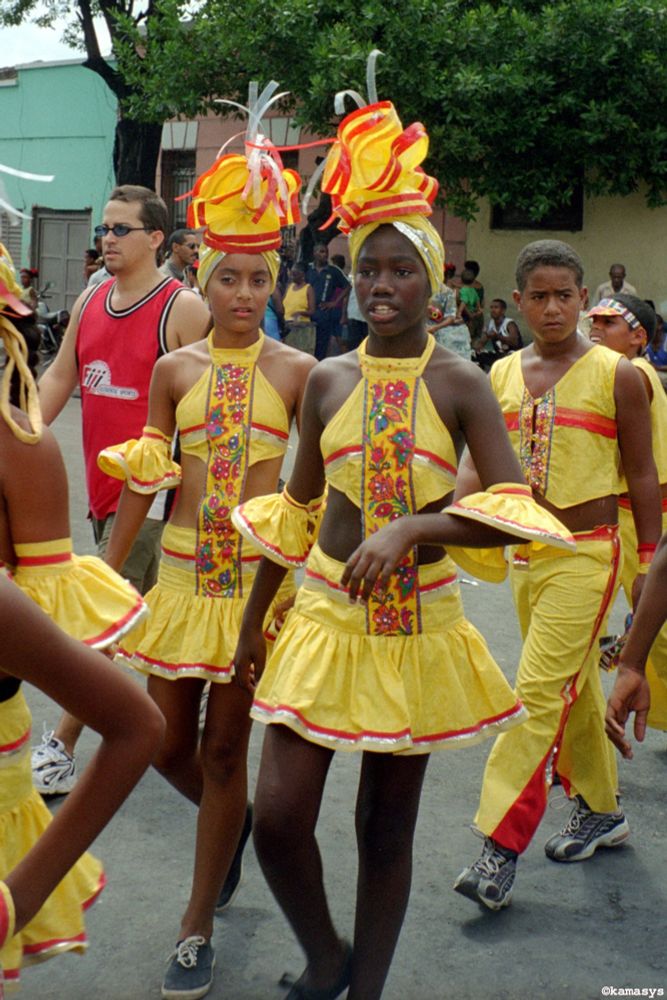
{"x":491,"y":860}
{"x":582,"y":821}
{"x":186,"y":951}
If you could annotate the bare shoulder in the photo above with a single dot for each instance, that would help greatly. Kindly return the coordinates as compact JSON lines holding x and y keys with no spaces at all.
{"x":449,"y":371}
{"x":297,"y":362}
{"x":189,"y":319}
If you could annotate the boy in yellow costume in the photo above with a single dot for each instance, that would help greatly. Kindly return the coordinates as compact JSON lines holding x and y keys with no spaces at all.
{"x":572,"y":410}
{"x":626,"y":324}
{"x":401,"y":672}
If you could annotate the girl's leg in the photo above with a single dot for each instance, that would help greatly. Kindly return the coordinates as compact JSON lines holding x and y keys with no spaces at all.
{"x":178,"y":758}
{"x":287,"y":803}
{"x":387,"y":806}
{"x":222,"y":809}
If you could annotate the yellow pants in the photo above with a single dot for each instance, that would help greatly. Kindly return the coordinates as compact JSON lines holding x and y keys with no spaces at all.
{"x":656,"y":667}
{"x":562,"y":600}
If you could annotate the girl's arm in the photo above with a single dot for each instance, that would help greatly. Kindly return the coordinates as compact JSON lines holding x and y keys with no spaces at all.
{"x":133,"y":507}
{"x":631,"y":691}
{"x":93,"y":690}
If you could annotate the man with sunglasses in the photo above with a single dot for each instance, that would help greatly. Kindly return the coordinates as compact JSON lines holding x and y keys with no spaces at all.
{"x":182,"y":248}
{"x":117,"y":331}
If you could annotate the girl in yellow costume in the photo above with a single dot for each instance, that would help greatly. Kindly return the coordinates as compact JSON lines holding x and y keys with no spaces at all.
{"x":47,"y":881}
{"x":232,"y":398}
{"x":83,"y":596}
{"x":401,"y":672}
{"x":626,"y":324}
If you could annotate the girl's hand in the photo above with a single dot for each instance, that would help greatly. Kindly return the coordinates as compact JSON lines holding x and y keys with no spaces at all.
{"x":376,"y":559}
{"x":249,"y":658}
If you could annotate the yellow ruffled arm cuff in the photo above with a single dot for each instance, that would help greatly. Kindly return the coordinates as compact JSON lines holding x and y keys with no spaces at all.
{"x":511,"y":508}
{"x":279,"y":527}
{"x":145,"y":465}
{"x":7,"y":916}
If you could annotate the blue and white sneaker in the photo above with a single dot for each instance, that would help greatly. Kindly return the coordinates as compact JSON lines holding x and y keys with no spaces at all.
{"x":53,"y":769}
{"x":585,"y":831}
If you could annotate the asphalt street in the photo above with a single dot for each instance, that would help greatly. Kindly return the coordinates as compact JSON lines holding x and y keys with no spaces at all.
{"x":574,"y":932}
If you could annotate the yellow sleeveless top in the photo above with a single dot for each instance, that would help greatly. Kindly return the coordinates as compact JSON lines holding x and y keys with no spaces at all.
{"x":658,"y":422}
{"x":269,"y":427}
{"x":295,"y":301}
{"x":434,"y":460}
{"x":566,"y":440}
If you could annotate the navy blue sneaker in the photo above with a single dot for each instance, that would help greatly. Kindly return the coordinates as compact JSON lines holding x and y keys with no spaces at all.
{"x":190,"y":972}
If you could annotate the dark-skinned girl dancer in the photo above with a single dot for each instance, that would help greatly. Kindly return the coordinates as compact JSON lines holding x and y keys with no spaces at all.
{"x":398,"y":672}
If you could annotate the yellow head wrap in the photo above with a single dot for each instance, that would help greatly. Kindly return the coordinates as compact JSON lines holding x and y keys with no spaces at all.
{"x":210,"y":258}
{"x":374,"y":177}
{"x":243,"y":200}
{"x":17,"y":357}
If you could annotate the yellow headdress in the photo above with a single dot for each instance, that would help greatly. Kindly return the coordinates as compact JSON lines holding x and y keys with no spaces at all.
{"x":17,"y":358}
{"x":244,"y":199}
{"x":374,"y":177}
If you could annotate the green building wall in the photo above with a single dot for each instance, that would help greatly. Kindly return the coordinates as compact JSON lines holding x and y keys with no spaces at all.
{"x":56,"y":118}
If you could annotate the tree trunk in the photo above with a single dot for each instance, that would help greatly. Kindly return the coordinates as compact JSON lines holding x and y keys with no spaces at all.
{"x":135,"y":152}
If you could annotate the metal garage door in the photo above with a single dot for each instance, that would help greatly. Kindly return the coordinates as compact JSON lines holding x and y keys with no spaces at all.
{"x":59,"y":242}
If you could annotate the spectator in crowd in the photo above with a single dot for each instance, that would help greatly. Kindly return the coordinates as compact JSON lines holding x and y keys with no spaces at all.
{"x":182,"y":247}
{"x":28,"y":276}
{"x":329,"y":284}
{"x":468,"y":301}
{"x":502,"y":334}
{"x":616,"y":284}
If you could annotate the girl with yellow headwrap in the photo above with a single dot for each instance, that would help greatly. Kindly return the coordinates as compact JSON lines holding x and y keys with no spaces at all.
{"x":232,"y":399}
{"x":398,"y":672}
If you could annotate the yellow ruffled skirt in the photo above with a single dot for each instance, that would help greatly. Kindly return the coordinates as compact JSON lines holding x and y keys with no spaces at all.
{"x":186,"y":634}
{"x":337,"y":686}
{"x":81,"y":594}
{"x":59,"y":925}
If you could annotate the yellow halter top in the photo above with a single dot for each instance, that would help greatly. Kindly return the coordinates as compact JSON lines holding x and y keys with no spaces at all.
{"x":231,"y":418}
{"x":433,"y":461}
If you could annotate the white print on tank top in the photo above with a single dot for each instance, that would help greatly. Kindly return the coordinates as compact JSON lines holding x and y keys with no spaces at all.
{"x":97,"y":381}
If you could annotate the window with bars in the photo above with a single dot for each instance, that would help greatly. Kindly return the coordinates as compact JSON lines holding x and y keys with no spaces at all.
{"x":178,"y":177}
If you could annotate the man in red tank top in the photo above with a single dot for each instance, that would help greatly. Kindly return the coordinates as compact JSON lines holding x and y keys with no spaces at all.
{"x":117,"y":331}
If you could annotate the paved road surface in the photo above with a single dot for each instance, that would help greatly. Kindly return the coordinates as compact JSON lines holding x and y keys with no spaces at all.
{"x":571,"y":931}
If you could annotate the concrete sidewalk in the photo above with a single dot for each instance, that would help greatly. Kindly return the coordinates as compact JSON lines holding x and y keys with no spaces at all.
{"x":571,"y":930}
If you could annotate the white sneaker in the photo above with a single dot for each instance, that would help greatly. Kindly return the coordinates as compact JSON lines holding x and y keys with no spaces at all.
{"x":53,"y":769}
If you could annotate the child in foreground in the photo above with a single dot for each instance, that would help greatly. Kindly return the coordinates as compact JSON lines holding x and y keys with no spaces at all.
{"x":83,"y":596}
{"x":233,"y":398}
{"x":47,"y":877}
{"x":573,"y":412}
{"x":401,"y":672}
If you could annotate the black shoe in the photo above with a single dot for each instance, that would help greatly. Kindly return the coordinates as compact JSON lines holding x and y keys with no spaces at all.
{"x":233,"y":880}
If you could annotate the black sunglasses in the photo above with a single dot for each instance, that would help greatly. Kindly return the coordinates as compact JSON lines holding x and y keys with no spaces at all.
{"x":192,"y":246}
{"x":120,"y":229}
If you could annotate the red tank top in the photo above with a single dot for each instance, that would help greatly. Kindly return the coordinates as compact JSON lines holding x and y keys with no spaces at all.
{"x":116,"y":351}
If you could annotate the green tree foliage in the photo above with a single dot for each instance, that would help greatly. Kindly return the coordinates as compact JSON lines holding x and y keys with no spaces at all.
{"x":523,"y":99}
